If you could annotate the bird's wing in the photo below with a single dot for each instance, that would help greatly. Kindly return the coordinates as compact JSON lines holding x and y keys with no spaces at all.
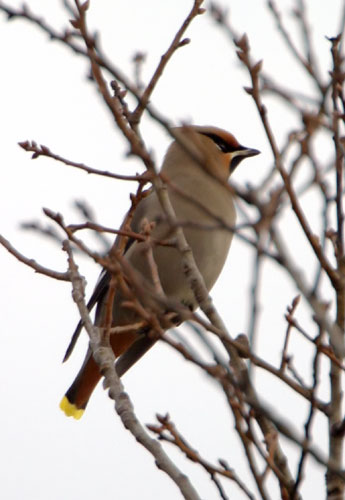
{"x":134,"y":353}
{"x":102,"y":284}
{"x":98,"y":293}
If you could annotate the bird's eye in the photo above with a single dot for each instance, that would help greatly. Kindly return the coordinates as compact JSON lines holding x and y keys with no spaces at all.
{"x":224,"y":146}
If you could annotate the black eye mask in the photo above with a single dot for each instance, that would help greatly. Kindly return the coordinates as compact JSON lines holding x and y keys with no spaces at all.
{"x":221,"y":143}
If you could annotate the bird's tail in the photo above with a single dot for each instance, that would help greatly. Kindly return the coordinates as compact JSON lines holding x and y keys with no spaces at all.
{"x":127,"y":351}
{"x":74,"y":402}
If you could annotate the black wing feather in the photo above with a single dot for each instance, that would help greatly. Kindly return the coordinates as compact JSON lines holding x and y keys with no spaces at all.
{"x":99,"y":292}
{"x":102,"y":285}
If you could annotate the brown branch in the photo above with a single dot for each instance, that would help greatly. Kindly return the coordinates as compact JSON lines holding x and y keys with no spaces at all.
{"x":105,"y":359}
{"x":337,"y":83}
{"x":167,"y":432}
{"x":138,"y":60}
{"x":287,"y":430}
{"x":58,"y":218}
{"x":326,"y":349}
{"x":148,"y":252}
{"x":32,"y":263}
{"x":291,"y":310}
{"x":175,"y":44}
{"x":40,"y":150}
{"x":305,"y":63}
{"x":254,"y":293}
{"x":67,"y":38}
{"x":118,"y":107}
{"x":271,"y":440}
{"x":243,"y":351}
{"x":242,"y":428}
{"x":104,"y":229}
{"x":308,"y":424}
{"x":254,"y":91}
{"x":301,"y":15}
{"x":336,"y":442}
{"x":315,"y":303}
{"x":113,"y":103}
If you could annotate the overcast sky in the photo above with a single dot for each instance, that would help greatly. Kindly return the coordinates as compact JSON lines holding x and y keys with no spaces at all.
{"x":45,"y":96}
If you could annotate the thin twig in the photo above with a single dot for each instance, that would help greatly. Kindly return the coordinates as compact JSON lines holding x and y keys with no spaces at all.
{"x":311,"y":416}
{"x":32,"y":263}
{"x":175,"y":44}
{"x":40,"y":150}
{"x":167,"y":431}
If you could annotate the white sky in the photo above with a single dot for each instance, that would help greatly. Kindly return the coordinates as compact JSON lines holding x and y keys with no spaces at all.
{"x":45,"y":96}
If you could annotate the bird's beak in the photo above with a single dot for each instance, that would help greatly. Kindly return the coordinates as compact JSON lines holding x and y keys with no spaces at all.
{"x":239,"y":155}
{"x":247,"y":152}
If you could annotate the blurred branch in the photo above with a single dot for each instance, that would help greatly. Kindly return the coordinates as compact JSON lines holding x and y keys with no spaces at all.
{"x":48,"y":231}
{"x":254,"y":70}
{"x":301,"y":15}
{"x":319,"y":307}
{"x":87,"y":211}
{"x":336,"y":444}
{"x":311,"y":417}
{"x":222,"y":372}
{"x":306,"y":63}
{"x":138,"y":62}
{"x":255,"y":294}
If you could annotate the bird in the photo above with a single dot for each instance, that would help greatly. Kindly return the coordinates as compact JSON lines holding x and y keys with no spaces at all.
{"x":196,"y":169}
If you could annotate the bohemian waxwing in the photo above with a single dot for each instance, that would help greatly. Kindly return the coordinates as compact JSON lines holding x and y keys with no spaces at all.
{"x":197,"y":166}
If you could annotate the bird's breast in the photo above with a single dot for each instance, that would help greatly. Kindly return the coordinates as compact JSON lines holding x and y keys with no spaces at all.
{"x":206,"y":213}
{"x":206,"y":216}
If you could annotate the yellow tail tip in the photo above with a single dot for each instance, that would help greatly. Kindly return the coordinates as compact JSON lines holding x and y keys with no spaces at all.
{"x":70,"y":410}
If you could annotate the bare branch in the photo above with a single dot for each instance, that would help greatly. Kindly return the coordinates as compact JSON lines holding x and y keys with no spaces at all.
{"x":175,"y":44}
{"x":167,"y":432}
{"x":32,"y":263}
{"x":105,"y":359}
{"x":41,"y":150}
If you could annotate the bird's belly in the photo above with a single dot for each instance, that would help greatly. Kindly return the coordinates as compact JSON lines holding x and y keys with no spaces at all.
{"x":209,"y":251}
{"x":208,"y":241}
